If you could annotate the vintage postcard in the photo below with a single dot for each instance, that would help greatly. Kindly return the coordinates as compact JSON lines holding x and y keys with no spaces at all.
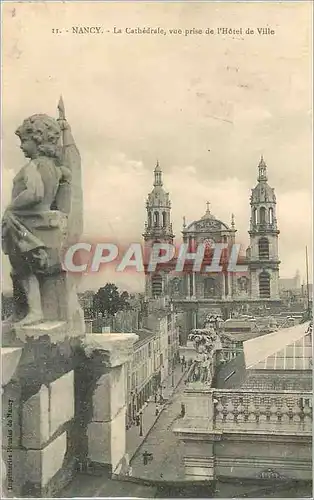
{"x":157,"y":249}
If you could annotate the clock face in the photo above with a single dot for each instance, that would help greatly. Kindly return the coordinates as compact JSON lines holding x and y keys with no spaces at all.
{"x":209,"y":243}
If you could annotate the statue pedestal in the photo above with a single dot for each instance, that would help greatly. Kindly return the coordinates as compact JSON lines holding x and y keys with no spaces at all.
{"x":38,"y":408}
{"x":10,"y":357}
{"x":106,"y":430}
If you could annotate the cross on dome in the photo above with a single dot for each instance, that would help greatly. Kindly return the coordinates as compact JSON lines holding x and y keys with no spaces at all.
{"x":158,"y":175}
{"x":262,"y":170}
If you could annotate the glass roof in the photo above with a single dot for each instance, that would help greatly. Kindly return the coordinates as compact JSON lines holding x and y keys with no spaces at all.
{"x":287,"y":349}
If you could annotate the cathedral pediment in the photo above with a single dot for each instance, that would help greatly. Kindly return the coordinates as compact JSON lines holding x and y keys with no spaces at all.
{"x":208,"y":224}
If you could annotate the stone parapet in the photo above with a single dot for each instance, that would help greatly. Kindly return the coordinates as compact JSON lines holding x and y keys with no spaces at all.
{"x":115,"y":348}
{"x":106,"y":431}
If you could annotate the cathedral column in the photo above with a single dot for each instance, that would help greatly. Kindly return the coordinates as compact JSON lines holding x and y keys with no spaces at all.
{"x":230,"y":291}
{"x":193,"y":285}
{"x":223,"y":286}
{"x":227,"y":284}
{"x":187,"y":285}
{"x":194,"y":322}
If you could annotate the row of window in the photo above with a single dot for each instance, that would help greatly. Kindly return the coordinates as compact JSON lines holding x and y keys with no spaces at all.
{"x":156,"y":219}
{"x":142,"y":372}
{"x":139,"y":376}
{"x":263,"y":216}
{"x":145,"y":352}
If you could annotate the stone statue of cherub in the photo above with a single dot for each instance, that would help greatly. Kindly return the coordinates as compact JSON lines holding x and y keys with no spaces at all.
{"x":34,"y":223}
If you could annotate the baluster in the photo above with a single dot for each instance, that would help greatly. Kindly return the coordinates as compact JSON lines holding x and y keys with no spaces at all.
{"x":262,"y":418}
{"x":296,"y":413}
{"x":285,"y":413}
{"x":219,"y":411}
{"x":307,"y":415}
{"x":252,"y":413}
{"x":240,"y":413}
{"x":230,"y":416}
{"x":273,"y":411}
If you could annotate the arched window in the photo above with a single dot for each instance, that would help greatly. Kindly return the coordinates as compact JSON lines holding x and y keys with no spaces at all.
{"x":176,"y":286}
{"x":156,"y":219}
{"x":164,"y":219}
{"x":262,"y":215}
{"x":254,"y":216}
{"x":149,"y":219}
{"x":243,"y":284}
{"x":263,"y":248}
{"x":264,"y":285}
{"x":156,"y":285}
{"x":209,"y":287}
{"x":271,"y":215}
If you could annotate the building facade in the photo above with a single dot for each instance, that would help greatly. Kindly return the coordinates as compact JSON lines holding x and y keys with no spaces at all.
{"x":152,"y":361}
{"x":141,"y":371}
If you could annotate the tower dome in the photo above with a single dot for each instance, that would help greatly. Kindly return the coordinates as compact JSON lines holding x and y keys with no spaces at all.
{"x":158,"y":226}
{"x":262,"y":191}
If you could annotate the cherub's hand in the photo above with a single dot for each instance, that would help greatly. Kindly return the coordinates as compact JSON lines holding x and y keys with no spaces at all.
{"x":63,"y":124}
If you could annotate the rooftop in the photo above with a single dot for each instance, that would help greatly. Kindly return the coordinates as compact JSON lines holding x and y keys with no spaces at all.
{"x":144,"y":335}
{"x":285,"y":349}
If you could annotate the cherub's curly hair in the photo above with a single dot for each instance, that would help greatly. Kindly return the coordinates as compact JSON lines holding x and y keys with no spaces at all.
{"x":45,"y":131}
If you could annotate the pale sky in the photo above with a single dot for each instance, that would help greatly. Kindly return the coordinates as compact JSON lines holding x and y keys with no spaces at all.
{"x":131,"y":99}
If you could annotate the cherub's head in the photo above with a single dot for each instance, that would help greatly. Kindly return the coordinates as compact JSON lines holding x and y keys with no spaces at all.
{"x":40,"y":136}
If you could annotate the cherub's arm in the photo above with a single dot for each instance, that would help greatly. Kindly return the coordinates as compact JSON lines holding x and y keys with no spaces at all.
{"x":34,"y":189}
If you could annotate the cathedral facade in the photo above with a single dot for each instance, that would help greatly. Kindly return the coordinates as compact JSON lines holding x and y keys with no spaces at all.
{"x":258,"y":284}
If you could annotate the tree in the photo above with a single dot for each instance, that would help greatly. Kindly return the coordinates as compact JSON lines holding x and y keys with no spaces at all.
{"x":109,"y":301}
{"x":124,"y":298}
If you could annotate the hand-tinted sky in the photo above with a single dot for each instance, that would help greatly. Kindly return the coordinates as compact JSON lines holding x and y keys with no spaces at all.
{"x":132,"y":99}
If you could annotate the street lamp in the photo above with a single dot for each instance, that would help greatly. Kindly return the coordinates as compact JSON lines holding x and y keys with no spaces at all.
{"x":141,"y":424}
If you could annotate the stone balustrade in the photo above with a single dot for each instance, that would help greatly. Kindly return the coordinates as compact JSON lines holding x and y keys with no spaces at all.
{"x":284,"y":411}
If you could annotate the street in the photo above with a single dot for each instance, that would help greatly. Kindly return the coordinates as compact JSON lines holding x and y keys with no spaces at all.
{"x":161,"y":442}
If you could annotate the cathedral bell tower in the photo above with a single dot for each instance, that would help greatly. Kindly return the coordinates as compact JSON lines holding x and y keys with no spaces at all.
{"x":158,"y":229}
{"x":263,"y":255}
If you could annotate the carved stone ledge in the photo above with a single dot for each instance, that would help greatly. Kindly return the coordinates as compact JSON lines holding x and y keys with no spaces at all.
{"x":56,"y":330}
{"x":115,"y":347}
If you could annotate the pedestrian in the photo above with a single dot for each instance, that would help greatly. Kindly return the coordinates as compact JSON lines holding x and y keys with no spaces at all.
{"x":182,"y":410}
{"x":155,"y":398}
{"x":157,"y":410}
